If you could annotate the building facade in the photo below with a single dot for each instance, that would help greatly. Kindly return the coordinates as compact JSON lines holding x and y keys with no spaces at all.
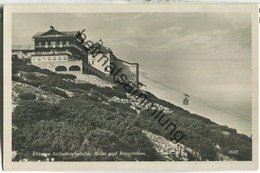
{"x":64,"y":51}
{"x":99,"y":57}
{"x":59,"y":51}
{"x":131,"y":70}
{"x":58,"y":61}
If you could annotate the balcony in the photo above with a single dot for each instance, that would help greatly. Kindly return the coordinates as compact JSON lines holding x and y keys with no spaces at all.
{"x":53,"y":53}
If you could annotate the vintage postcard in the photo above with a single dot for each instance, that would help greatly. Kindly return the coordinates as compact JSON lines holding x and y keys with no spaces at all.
{"x":158,"y":87}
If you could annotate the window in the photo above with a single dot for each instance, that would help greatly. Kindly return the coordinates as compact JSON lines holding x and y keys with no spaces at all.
{"x":61,"y":68}
{"x":54,"y":58}
{"x":44,"y":58}
{"x":64,"y":58}
{"x":46,"y":44}
{"x":59,"y":58}
{"x":40,"y":43}
{"x":49,"y":58}
{"x":92,"y":62}
{"x":53,"y":43}
{"x":39,"y":58}
{"x":74,"y":68}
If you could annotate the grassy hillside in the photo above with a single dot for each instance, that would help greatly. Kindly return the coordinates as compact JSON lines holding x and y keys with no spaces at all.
{"x":53,"y":114}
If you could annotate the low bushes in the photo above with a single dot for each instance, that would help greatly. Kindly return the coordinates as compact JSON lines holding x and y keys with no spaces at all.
{"x":27,"y":96}
{"x":54,"y":91}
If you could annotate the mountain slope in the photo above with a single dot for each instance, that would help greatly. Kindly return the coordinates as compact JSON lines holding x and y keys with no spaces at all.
{"x":57,"y":114}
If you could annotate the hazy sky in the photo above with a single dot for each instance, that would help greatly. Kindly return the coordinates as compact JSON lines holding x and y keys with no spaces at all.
{"x":207,"y":55}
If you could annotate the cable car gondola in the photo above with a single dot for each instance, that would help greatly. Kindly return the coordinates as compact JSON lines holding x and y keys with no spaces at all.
{"x":186,"y":99}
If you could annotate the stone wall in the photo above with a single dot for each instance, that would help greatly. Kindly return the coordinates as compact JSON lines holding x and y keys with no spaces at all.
{"x":128,"y":69}
{"x":88,"y":69}
{"x":101,"y":65}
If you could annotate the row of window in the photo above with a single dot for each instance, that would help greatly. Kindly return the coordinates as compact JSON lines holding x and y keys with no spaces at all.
{"x":53,"y":43}
{"x":44,"y":58}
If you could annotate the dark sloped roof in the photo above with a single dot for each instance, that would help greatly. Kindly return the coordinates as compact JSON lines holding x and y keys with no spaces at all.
{"x":55,"y":33}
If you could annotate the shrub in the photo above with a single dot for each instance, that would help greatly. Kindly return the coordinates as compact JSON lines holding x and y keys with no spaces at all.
{"x":54,"y":91}
{"x":33,"y":83}
{"x":110,"y":92}
{"x":59,"y":92}
{"x":15,"y":78}
{"x":84,"y":86}
{"x":27,"y":96}
{"x":68,"y":76}
{"x":31,"y":76}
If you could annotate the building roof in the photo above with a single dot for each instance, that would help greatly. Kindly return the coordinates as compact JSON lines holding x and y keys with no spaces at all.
{"x":22,"y":47}
{"x":101,"y":48}
{"x":54,"y":33}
